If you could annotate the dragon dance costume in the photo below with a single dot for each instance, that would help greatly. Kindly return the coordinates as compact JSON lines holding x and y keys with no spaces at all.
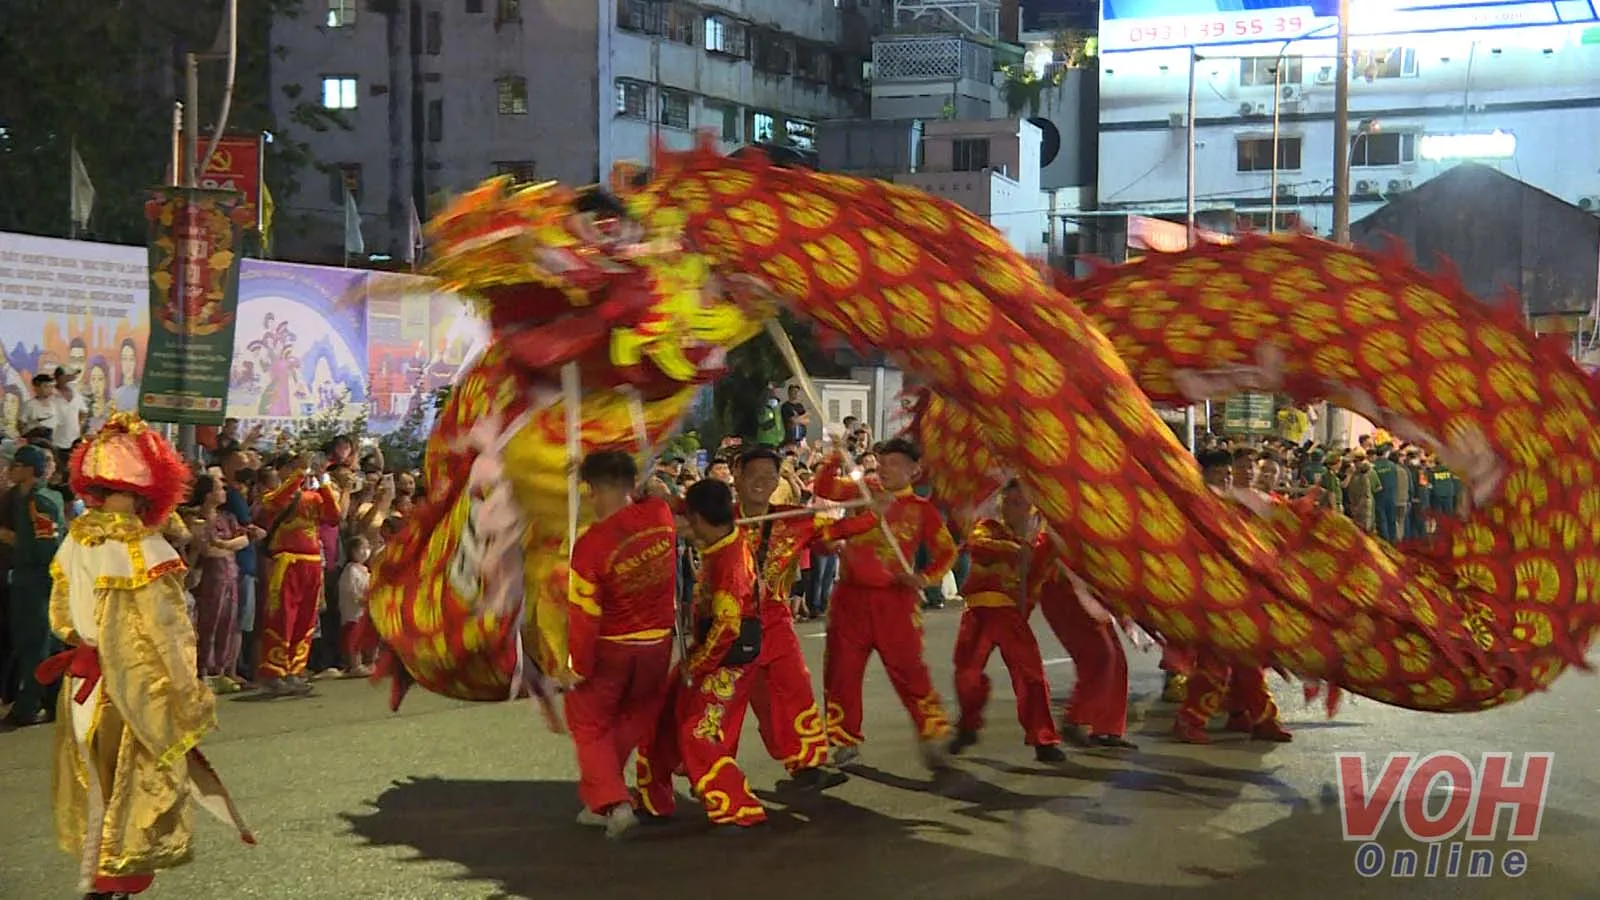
{"x":622,"y":592}
{"x":133,"y":708}
{"x":871,"y":611}
{"x":1097,"y":710}
{"x":996,"y":618}
{"x":699,"y":728}
{"x":781,"y":694}
{"x":291,"y":516}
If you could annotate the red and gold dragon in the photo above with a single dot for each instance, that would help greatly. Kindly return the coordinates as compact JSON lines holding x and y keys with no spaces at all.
{"x":1052,"y":381}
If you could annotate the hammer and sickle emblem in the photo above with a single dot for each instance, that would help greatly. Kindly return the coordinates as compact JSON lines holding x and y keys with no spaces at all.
{"x":222,"y":160}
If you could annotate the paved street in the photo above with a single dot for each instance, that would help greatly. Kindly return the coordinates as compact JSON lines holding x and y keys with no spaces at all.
{"x":448,"y":800}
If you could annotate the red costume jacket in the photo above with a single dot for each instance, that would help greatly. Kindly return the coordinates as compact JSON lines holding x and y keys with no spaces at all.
{"x":724,"y":593}
{"x":868,"y":561}
{"x":999,"y":571}
{"x":787,"y":540}
{"x":623,"y":583}
{"x":298,"y":514}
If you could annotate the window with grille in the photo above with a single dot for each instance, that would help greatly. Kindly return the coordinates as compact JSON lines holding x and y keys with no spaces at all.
{"x":1383,"y":148}
{"x":725,"y":36}
{"x":339,"y":92}
{"x":673,"y":21}
{"x":341,"y":14}
{"x":436,"y":120}
{"x":1257,"y":70}
{"x":675,"y":109}
{"x":512,"y":95}
{"x":726,"y":117}
{"x":1255,"y":154}
{"x":773,"y":53}
{"x":811,"y":63}
{"x":1390,"y":62}
{"x":435,"y":33}
{"x":344,"y":177}
{"x":969,"y":155}
{"x":521,"y":170}
{"x":633,"y":99}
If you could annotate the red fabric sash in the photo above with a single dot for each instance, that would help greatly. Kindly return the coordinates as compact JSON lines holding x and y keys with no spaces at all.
{"x":82,"y":662}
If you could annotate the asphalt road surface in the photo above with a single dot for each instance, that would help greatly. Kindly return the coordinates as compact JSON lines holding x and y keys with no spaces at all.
{"x":448,"y":800}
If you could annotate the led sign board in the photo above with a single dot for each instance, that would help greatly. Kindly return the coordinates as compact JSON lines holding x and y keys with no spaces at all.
{"x":1494,"y":145}
{"x":1155,"y":24}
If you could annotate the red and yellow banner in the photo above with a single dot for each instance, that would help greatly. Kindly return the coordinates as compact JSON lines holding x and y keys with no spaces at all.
{"x":237,"y":165}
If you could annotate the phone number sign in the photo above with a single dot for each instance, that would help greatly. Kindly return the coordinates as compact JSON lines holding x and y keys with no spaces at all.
{"x":1185,"y":31}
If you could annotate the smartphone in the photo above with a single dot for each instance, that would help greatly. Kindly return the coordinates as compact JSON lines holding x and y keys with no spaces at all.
{"x":388,"y":482}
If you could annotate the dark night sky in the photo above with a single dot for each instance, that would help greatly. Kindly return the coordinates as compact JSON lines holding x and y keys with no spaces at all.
{"x":1077,"y":13}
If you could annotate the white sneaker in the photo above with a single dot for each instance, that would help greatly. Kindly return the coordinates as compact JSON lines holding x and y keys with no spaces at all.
{"x":839,"y":756}
{"x":935,"y":754}
{"x":620,"y":822}
{"x":588,"y":818}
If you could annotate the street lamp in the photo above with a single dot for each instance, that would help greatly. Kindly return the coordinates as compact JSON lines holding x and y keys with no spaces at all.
{"x":1277,"y":97}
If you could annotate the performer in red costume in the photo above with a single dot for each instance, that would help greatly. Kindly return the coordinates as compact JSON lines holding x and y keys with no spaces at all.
{"x":996,"y":617}
{"x":1213,"y":682}
{"x":780,"y":695}
{"x":1096,"y":714}
{"x":699,"y":733}
{"x":877,"y":606}
{"x":291,"y":513}
{"x":620,"y":612}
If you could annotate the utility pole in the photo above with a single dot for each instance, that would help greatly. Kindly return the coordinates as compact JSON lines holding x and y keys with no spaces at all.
{"x":1341,"y":131}
{"x":1188,"y":124}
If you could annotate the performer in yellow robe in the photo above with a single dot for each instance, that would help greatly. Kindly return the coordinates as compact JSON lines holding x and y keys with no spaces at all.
{"x":133,"y":708}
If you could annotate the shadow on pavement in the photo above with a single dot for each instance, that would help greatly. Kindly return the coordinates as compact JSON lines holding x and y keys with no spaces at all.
{"x":522,"y":836}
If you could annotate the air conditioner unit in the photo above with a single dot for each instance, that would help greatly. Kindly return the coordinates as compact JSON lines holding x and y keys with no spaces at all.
{"x":1366,"y":187}
{"x":1285,"y":190}
{"x":1397,"y":185}
{"x":1592,"y":204}
{"x":1290,"y":93}
{"x":1247,"y":109}
{"x":1325,"y":75}
{"x":1175,"y":120}
{"x":1263,"y":109}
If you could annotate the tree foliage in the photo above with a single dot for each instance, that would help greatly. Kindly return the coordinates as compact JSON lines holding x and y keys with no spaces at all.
{"x":752,"y":367}
{"x":104,"y":74}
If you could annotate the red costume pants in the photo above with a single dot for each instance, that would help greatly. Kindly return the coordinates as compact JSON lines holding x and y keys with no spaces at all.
{"x":289,"y":614}
{"x":1215,"y":685}
{"x":698,"y":732}
{"x":782,"y":699}
{"x":887,"y":620}
{"x":612,"y":712}
{"x":985,"y":629}
{"x":1099,"y":701}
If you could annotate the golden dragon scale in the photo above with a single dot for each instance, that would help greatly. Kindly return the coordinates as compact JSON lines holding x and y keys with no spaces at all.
{"x":1500,"y":610}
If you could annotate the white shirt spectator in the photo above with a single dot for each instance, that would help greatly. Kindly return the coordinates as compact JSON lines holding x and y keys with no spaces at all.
{"x":353,"y":593}
{"x":69,"y":419}
{"x":36,"y":413}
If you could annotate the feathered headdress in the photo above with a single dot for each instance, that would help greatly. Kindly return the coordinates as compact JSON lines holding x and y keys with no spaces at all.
{"x":127,"y":456}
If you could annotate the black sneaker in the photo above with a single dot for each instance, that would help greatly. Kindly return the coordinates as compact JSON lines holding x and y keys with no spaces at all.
{"x":816,"y":779}
{"x":1113,"y":742}
{"x":962,"y":741}
{"x":1049,"y":753}
{"x":1076,"y":735}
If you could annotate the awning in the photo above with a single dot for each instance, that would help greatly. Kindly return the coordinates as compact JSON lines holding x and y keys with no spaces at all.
{"x":1145,"y":233}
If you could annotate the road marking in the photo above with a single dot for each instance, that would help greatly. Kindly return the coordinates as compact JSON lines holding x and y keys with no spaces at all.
{"x":1058,"y":660}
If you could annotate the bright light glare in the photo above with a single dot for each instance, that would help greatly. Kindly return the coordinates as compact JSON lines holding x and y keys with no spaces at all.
{"x":857,"y":474}
{"x":1495,"y":145}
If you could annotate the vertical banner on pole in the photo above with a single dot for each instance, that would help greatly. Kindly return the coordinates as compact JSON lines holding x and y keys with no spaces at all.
{"x":238,"y":165}
{"x":194,"y":300}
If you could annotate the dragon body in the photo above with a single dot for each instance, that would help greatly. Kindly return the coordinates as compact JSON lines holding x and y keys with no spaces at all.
{"x":1055,"y":383}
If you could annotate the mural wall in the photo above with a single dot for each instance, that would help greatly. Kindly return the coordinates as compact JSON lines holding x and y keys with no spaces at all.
{"x":312,"y":341}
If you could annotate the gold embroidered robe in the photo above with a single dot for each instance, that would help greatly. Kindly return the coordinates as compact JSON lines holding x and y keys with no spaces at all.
{"x":124,"y":772}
